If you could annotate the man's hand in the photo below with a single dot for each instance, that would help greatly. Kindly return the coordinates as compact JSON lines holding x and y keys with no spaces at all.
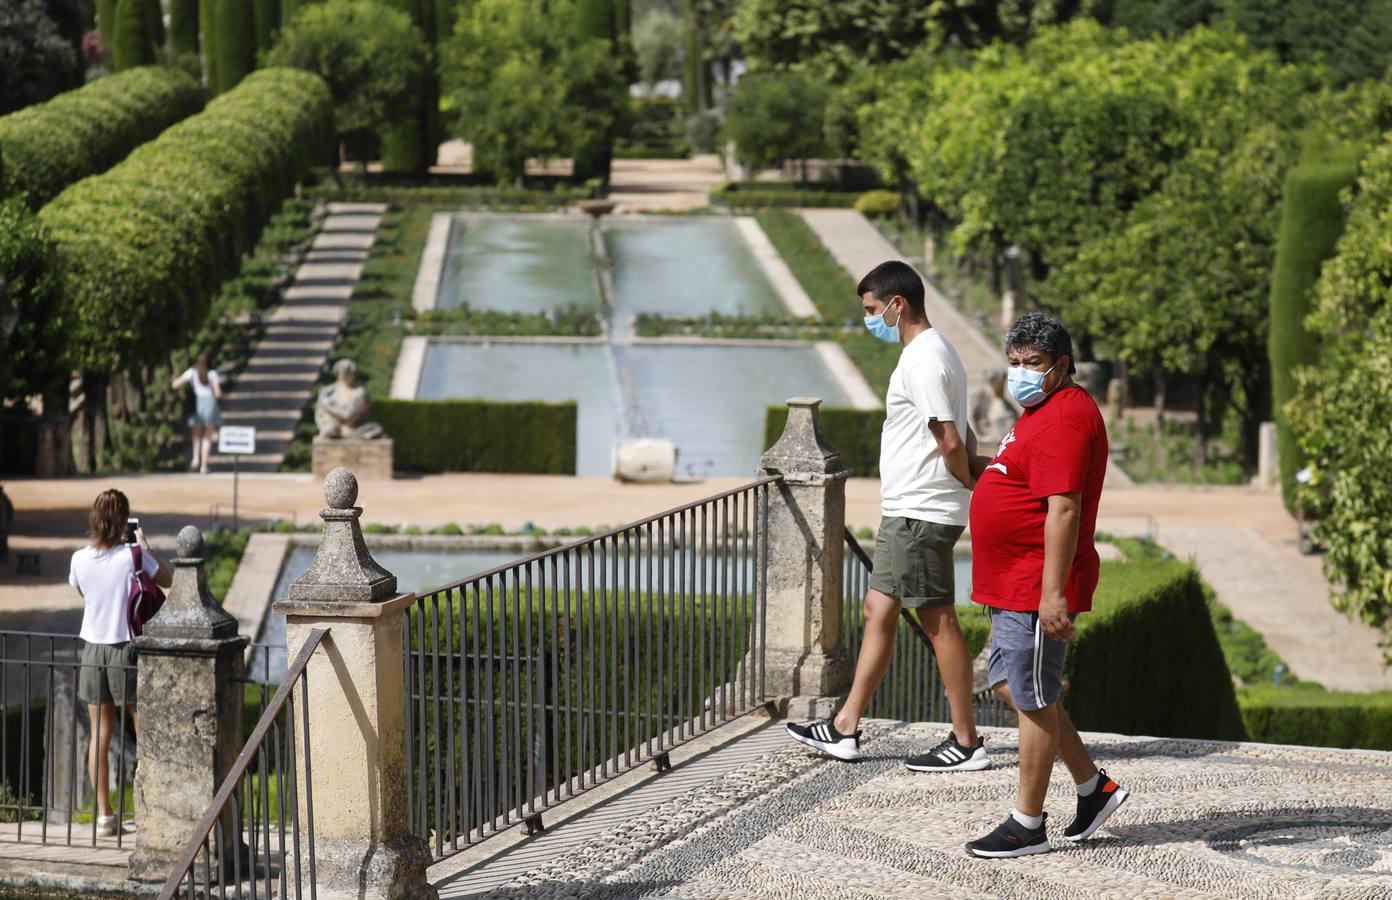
{"x":1053,"y":617}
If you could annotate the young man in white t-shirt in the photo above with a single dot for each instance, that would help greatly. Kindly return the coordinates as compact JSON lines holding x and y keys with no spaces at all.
{"x":925,"y":487}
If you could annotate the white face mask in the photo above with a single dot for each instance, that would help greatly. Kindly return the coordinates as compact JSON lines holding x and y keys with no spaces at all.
{"x":888,"y":333}
{"x":1027,"y":385}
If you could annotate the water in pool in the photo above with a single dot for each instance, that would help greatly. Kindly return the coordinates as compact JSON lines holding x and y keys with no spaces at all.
{"x":710,"y":400}
{"x":687,"y":267}
{"x":527,"y":265}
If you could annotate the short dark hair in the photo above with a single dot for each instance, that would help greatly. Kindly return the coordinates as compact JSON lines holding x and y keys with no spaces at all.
{"x":891,"y":278}
{"x":1043,"y":333}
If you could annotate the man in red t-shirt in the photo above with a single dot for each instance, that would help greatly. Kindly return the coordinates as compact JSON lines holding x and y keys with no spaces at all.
{"x":1034,"y":563}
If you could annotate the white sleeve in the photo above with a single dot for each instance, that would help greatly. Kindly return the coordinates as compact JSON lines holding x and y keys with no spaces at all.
{"x":149,"y":563}
{"x":930,"y":389}
{"x":72,"y":573}
{"x":214,"y":378}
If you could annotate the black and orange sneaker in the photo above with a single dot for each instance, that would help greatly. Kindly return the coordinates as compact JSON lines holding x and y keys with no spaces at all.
{"x":1012,"y":839}
{"x":1096,"y":808}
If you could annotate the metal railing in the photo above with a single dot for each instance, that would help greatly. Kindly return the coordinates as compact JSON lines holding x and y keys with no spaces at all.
{"x":248,"y":844}
{"x":912,"y":689}
{"x":46,"y":795}
{"x":531,"y":683}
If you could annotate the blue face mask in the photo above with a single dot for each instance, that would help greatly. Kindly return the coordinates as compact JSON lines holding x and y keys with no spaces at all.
{"x":1027,"y":385}
{"x":887,"y":333}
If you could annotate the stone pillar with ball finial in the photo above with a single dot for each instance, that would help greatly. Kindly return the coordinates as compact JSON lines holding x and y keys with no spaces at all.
{"x":190,"y":701}
{"x":356,"y":748}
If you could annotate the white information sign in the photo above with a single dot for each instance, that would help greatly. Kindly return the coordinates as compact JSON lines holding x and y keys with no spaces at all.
{"x":237,"y":440}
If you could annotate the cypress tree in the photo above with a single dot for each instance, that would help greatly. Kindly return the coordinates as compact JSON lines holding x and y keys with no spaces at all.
{"x":1312,"y":219}
{"x":207,"y":30}
{"x":595,"y":19}
{"x":154,"y":23}
{"x":183,"y":27}
{"x":106,"y":24}
{"x":267,"y":13}
{"x":413,"y":144}
{"x":134,"y":46}
{"x":235,"y":44}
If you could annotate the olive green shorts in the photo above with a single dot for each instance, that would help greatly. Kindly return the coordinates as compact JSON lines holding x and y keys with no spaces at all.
{"x":913,"y":562}
{"x":107,"y":674}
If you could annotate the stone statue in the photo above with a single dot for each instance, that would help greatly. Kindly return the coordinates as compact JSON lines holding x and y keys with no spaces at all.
{"x":993,"y":416}
{"x":343,"y":405}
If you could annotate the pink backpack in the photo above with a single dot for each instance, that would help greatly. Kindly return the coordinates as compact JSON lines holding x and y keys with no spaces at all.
{"x":145,"y":597}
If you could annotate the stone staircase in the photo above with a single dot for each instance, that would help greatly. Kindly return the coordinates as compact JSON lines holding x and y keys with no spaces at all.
{"x":281,"y":376}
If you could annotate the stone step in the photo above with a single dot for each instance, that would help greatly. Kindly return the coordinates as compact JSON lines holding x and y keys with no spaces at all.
{"x":271,"y":381}
{"x":286,"y":366}
{"x":338,"y":206}
{"x":271,"y":459}
{"x":279,"y":418}
{"x":290,"y":350}
{"x":331,"y":314}
{"x":350,"y":240}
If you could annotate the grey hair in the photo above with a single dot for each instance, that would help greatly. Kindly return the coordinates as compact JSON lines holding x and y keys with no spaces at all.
{"x":345,"y":366}
{"x":1043,"y":333}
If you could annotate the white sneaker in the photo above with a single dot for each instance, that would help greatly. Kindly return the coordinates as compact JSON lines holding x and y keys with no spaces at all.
{"x":823,"y":736}
{"x":106,"y":826}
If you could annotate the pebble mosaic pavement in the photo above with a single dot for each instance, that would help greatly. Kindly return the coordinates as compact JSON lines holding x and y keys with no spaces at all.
{"x":1204,"y":820}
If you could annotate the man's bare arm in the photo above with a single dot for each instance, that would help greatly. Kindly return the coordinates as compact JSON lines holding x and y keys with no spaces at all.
{"x":1060,"y":544}
{"x":954,"y":450}
{"x":975,"y":461}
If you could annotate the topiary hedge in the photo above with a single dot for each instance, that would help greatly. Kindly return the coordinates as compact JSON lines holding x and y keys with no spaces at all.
{"x":478,"y":436}
{"x":855,"y":432}
{"x":1317,"y":718}
{"x":1312,"y":218}
{"x":142,"y":249}
{"x":760,"y":196}
{"x":1146,"y":659}
{"x":82,"y":132}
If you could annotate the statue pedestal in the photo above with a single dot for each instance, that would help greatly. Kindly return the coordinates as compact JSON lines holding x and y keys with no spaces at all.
{"x":369,"y":460}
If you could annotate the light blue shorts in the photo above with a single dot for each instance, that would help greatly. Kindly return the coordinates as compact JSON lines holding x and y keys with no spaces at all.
{"x":1026,"y":658}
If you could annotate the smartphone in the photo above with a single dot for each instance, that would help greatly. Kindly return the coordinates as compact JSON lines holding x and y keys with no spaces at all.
{"x":131,"y":525}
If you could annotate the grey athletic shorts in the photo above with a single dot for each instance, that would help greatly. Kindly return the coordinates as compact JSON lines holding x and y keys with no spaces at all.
{"x":108,"y":674}
{"x":1026,"y":658}
{"x":913,"y":562}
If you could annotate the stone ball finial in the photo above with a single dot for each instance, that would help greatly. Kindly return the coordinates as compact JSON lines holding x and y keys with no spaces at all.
{"x":190,"y":542}
{"x":341,"y":489}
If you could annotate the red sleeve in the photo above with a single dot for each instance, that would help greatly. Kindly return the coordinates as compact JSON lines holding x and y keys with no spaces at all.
{"x":1059,"y":460}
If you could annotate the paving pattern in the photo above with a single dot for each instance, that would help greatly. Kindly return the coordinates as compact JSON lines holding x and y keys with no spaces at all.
{"x":1205,"y":820}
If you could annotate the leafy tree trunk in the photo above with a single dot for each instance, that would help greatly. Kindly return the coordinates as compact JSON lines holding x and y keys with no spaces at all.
{"x":93,"y":420}
{"x":134,"y":43}
{"x":154,"y":23}
{"x":235,"y":44}
{"x":412,"y":145}
{"x":1201,"y":425}
{"x":693,"y":91}
{"x":1160,"y":398}
{"x":183,"y":27}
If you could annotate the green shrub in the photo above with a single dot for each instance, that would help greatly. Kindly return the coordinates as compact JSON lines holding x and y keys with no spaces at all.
{"x":135,"y":34}
{"x":878,"y":203}
{"x":1146,"y":659}
{"x":855,"y":432}
{"x":88,"y":130}
{"x":773,"y":195}
{"x":142,"y":249}
{"x":449,"y":529}
{"x":1312,"y":218}
{"x":1317,"y":718}
{"x":477,"y":436}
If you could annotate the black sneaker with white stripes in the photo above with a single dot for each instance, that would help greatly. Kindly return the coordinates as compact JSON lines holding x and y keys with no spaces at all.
{"x":950,"y":756}
{"x":823,"y":736}
{"x":1096,"y":808}
{"x":1012,"y":839}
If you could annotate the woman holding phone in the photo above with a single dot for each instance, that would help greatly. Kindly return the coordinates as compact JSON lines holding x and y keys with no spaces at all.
{"x":102,"y":573}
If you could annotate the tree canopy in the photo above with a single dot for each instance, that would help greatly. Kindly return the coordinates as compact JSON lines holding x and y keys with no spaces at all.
{"x":371,"y":56}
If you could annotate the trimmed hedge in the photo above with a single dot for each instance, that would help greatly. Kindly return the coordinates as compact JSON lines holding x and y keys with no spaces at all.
{"x":1318,"y":718}
{"x":478,"y":436}
{"x":855,"y":432}
{"x":1312,"y":218}
{"x":142,"y":248}
{"x":86,"y":131}
{"x":774,"y":195}
{"x":1146,"y":659}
